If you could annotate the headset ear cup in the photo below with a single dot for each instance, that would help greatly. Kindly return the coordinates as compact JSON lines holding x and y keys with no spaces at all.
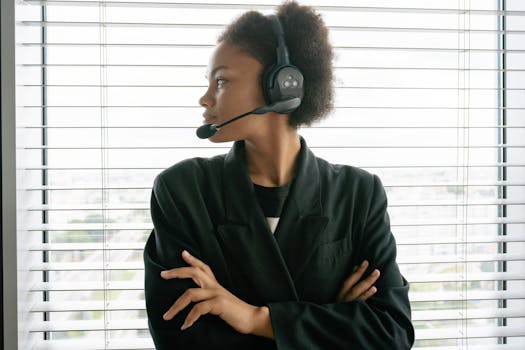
{"x":284,"y":83}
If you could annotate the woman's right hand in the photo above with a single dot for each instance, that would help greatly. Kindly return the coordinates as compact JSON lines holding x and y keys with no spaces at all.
{"x":351,"y":290}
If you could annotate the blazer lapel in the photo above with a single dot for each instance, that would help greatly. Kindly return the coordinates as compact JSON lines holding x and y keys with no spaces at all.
{"x":302,"y":223}
{"x":277,"y":259}
{"x":254,"y":253}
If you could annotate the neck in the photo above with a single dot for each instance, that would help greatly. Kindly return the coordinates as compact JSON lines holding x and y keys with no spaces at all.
{"x":272,"y":157}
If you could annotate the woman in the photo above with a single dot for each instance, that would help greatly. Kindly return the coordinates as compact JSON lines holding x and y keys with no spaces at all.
{"x":257,"y":249}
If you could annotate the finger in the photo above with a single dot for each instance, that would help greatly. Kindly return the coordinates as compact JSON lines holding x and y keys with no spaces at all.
{"x":352,"y":280}
{"x":357,"y":272}
{"x":180,"y":272}
{"x":190,"y":295}
{"x":197,"y":311}
{"x":367,"y":294}
{"x":193,"y":261}
{"x":363,"y":286}
{"x":196,"y":274}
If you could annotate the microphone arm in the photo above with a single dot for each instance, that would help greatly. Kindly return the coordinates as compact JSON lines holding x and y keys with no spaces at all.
{"x":255,"y":111}
{"x":208,"y":130}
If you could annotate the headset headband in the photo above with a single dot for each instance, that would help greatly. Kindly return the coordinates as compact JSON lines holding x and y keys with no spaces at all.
{"x":282,"y":50}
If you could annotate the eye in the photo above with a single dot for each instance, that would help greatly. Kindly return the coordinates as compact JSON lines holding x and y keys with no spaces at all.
{"x":220,"y":82}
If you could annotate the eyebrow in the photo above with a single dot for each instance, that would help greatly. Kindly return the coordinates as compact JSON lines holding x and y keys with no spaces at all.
{"x":215,"y":70}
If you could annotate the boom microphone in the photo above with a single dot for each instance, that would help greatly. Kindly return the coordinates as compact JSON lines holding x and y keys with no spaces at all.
{"x":283,"y":107}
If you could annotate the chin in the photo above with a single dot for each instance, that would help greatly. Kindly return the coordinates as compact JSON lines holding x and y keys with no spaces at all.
{"x":217,"y":138}
{"x":226,"y":136}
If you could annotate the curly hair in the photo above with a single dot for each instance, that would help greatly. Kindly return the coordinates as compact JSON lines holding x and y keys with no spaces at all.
{"x":309,"y":49}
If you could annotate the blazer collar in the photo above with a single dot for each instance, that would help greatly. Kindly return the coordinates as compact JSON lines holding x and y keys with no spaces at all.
{"x":305,"y":193}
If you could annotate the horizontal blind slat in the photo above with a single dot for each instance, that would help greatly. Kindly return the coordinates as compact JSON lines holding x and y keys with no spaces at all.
{"x":421,"y":334}
{"x":462,"y":277}
{"x":88,"y":266}
{"x":468,"y":314}
{"x":86,"y":286}
{"x":470,"y":332}
{"x":97,"y":343}
{"x":319,"y":7}
{"x":392,"y":204}
{"x":342,"y":107}
{"x":402,"y":239}
{"x":148,"y":186}
{"x":336,"y":67}
{"x":469,"y":239}
{"x":216,"y":26}
{"x":417,"y":297}
{"x":429,"y":258}
{"x":365,"y":166}
{"x":314,"y":147}
{"x":336,"y":47}
{"x":91,"y":325}
{"x":204,"y":86}
{"x":473,"y":347}
{"x":147,"y":226}
{"x":68,"y":306}
{"x":86,"y":246}
{"x":350,"y":127}
{"x":411,"y":277}
{"x":402,"y":260}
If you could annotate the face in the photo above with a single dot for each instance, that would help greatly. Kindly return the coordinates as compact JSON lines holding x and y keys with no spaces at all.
{"x":233,"y":89}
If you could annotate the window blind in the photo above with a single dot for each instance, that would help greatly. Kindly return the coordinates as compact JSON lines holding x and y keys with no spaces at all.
{"x":429,"y":96}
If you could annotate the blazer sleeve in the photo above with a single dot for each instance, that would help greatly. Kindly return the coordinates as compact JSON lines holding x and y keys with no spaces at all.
{"x":163,"y":251}
{"x":381,"y":322}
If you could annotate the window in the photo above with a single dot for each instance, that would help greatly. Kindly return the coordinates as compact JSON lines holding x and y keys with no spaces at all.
{"x":430,"y":96}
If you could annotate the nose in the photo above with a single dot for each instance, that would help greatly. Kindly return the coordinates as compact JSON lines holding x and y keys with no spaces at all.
{"x":206,"y":100}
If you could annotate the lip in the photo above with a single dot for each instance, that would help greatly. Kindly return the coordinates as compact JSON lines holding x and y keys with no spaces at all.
{"x":208,"y":119}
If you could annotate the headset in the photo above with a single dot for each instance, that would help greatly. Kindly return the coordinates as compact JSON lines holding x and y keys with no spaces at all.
{"x":281,"y":81}
{"x":282,"y":85}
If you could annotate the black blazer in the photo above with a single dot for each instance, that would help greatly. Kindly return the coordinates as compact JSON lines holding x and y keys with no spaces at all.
{"x":335,"y":217}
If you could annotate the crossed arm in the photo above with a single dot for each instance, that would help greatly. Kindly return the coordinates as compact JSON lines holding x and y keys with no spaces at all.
{"x":211,"y":298}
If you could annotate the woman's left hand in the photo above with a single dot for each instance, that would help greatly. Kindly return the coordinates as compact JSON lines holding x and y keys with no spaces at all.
{"x":353,"y":289}
{"x":211,"y":298}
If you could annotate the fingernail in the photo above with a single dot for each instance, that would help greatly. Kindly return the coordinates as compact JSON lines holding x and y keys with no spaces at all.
{"x":184,"y":326}
{"x":376,"y":272}
{"x":185,"y":252}
{"x":165,"y":316}
{"x":163,"y":273}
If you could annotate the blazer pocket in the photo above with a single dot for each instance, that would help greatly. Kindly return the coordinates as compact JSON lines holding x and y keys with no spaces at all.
{"x":323,"y":275}
{"x":331,"y":251}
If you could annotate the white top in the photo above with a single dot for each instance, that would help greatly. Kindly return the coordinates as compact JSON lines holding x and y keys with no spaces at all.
{"x":272,"y":222}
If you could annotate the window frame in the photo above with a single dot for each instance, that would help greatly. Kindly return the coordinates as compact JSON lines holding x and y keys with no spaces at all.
{"x":8,"y":187}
